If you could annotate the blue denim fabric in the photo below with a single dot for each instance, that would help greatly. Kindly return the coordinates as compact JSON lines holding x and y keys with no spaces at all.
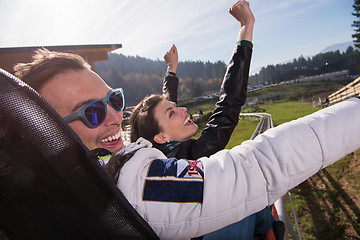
{"x":257,"y":223}
{"x":264,"y":221}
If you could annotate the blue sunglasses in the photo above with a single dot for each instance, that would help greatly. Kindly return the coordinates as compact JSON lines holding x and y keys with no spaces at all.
{"x":94,"y":113}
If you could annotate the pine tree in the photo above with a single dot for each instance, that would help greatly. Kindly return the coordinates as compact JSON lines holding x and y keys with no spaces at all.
{"x":356,"y":23}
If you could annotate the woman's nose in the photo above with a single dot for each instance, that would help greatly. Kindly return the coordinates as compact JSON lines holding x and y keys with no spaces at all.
{"x":183,"y":109}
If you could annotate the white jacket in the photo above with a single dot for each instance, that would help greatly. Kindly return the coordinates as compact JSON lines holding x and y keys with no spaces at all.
{"x":182,"y":199}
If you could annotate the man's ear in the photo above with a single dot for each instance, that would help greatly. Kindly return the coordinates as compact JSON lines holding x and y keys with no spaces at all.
{"x":160,"y":138}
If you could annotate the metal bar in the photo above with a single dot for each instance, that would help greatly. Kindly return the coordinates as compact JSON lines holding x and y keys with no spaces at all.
{"x":296,"y":221}
{"x":264,"y":124}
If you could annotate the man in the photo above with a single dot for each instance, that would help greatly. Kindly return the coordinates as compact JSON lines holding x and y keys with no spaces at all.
{"x":67,"y":82}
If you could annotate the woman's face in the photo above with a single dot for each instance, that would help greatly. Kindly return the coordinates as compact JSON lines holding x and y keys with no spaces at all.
{"x":174,"y":122}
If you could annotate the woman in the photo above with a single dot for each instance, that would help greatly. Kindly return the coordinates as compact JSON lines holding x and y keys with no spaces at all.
{"x":220,"y":125}
{"x":169,"y":128}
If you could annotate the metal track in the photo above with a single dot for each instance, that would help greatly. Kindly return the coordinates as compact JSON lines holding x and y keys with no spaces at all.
{"x":266,"y":122}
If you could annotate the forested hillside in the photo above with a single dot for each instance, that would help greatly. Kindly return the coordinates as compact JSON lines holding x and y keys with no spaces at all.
{"x":319,"y":64}
{"x":140,"y":76}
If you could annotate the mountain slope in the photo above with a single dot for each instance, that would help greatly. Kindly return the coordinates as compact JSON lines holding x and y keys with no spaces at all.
{"x":342,"y":47}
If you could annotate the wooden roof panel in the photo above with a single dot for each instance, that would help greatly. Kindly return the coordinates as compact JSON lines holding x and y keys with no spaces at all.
{"x":92,"y":53}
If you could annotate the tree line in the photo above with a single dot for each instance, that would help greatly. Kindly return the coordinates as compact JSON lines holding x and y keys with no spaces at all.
{"x":302,"y":67}
{"x":140,"y":76}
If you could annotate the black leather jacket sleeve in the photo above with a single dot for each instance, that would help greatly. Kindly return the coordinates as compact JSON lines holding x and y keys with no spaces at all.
{"x":170,"y":88}
{"x":223,"y":121}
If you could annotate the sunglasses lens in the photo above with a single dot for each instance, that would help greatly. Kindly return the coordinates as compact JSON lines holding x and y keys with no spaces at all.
{"x":95,"y":113}
{"x":116,"y":100}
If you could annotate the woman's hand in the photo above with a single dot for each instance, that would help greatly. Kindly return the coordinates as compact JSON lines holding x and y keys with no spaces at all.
{"x":243,"y":14}
{"x":171,"y":59}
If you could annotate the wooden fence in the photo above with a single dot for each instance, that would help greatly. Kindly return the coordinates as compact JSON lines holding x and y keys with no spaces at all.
{"x":348,"y":91}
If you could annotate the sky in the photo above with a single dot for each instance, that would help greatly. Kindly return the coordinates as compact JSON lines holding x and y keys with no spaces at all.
{"x":201,"y":29}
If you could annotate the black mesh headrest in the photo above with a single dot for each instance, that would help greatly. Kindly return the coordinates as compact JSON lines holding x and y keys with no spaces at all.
{"x":51,"y":185}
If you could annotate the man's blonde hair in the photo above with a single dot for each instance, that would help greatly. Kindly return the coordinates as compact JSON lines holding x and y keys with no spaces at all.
{"x":46,"y":65}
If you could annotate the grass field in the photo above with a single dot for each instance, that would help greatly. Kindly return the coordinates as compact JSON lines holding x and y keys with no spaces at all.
{"x":281,"y":112}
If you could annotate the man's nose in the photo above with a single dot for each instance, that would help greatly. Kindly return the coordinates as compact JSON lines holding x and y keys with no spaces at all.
{"x":113,"y":117}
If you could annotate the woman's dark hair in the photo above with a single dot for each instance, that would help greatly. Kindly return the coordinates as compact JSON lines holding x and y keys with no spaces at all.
{"x":142,"y":120}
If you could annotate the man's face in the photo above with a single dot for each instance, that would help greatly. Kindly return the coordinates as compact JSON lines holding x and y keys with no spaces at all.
{"x":174,"y":121}
{"x":68,"y":92}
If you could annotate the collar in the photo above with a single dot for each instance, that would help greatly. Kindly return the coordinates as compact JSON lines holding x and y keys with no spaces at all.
{"x":169,"y":146}
{"x":102,"y":154}
{"x":105,"y":155}
{"x":134,"y":146}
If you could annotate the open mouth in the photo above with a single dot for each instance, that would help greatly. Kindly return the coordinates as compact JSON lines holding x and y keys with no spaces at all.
{"x":111,"y":138}
{"x":188,"y":121}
